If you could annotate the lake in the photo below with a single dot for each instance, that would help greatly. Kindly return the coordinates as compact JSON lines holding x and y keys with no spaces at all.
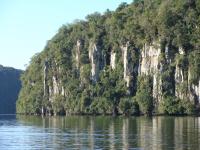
{"x":101,"y":132}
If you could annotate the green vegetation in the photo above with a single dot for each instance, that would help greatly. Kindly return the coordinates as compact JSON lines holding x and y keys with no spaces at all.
{"x":9,"y":89}
{"x":144,"y":95}
{"x":71,"y":78}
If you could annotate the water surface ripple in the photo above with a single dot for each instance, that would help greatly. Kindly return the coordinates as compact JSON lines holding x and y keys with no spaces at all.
{"x":83,"y":132}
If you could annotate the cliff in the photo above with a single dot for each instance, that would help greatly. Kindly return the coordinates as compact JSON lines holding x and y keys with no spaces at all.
{"x":141,"y":58}
{"x":10,"y":85}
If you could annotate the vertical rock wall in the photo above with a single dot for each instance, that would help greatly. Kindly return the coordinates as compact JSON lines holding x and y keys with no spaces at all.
{"x":178,"y":82}
{"x":113,"y":59}
{"x":194,"y":90}
{"x":150,"y":59}
{"x":77,"y":57}
{"x":185,"y":89}
{"x":54,"y":87}
{"x":45,"y":78}
{"x":150,"y":65}
{"x":127,"y":66}
{"x":94,"y":56}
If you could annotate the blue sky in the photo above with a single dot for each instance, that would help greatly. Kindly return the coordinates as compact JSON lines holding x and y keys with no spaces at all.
{"x":26,"y":25}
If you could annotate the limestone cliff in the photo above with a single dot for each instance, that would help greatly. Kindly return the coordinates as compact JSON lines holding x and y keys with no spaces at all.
{"x":143,"y":54}
{"x":78,"y":49}
{"x":53,"y":86}
{"x":95,"y":60}
{"x":151,"y":65}
{"x":126,"y":63}
{"x":113,"y":59}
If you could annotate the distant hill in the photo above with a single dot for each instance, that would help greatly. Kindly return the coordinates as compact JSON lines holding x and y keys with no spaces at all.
{"x":10,"y":85}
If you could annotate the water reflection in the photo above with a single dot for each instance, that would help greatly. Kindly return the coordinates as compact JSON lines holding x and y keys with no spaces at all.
{"x":112,"y":136}
{"x":125,"y":129}
{"x":78,"y":132}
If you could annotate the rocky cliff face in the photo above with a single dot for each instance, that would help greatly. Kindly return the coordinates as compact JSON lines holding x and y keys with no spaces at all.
{"x":150,"y":59}
{"x":94,"y":56}
{"x":78,"y":49}
{"x":107,"y":60}
{"x":194,"y":93}
{"x":179,"y":80}
{"x":113,"y":59}
{"x":184,"y":88}
{"x":53,"y":86}
{"x":126,"y":63}
{"x":151,"y":65}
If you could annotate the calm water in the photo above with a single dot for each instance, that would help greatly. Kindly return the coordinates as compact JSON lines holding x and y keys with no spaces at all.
{"x":136,"y":133}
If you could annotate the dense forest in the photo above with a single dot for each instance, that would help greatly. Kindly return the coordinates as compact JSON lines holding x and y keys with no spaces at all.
{"x":142,"y":58}
{"x":10,"y":85}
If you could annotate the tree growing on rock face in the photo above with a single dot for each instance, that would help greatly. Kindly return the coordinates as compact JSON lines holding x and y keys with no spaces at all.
{"x":128,"y":106}
{"x":144,"y":95}
{"x":58,"y":105}
{"x":174,"y":24}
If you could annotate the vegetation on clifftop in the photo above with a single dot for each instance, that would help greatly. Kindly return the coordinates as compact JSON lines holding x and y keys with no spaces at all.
{"x":66,"y":86}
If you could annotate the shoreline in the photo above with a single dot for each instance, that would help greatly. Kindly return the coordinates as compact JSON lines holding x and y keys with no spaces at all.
{"x":109,"y":115}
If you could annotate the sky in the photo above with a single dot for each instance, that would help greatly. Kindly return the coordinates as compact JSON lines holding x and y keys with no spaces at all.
{"x":27,"y":25}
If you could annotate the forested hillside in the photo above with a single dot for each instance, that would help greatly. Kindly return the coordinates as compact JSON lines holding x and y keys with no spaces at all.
{"x":142,"y":58}
{"x":10,"y":85}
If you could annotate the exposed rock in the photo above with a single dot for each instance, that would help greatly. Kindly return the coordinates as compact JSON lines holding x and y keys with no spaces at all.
{"x":63,"y":91}
{"x":150,"y":65}
{"x":77,"y":57}
{"x":167,"y":57}
{"x":50,"y":93}
{"x":181,"y":51}
{"x":94,"y":56}
{"x":45,"y":78}
{"x":113,"y":59}
{"x":194,"y":91}
{"x":157,"y":88}
{"x":150,"y":59}
{"x":55,"y":85}
{"x":178,"y":80}
{"x":179,"y":75}
{"x":127,"y":67}
{"x":191,"y":92}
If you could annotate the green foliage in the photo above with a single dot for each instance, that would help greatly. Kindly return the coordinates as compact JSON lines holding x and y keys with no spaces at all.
{"x":101,"y":106}
{"x":173,"y":106}
{"x":58,"y":104}
{"x":194,"y":67}
{"x":175,"y":24}
{"x":128,"y":107}
{"x":85,"y":101}
{"x":170,"y":106}
{"x":182,"y":61}
{"x":125,"y":106}
{"x":144,"y":95}
{"x":85,"y":73}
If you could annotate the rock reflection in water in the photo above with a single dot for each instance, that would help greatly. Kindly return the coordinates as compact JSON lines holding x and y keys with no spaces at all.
{"x":83,"y":132}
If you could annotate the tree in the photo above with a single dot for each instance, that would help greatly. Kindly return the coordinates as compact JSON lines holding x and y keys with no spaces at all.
{"x":58,"y":104}
{"x":144,"y":95}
